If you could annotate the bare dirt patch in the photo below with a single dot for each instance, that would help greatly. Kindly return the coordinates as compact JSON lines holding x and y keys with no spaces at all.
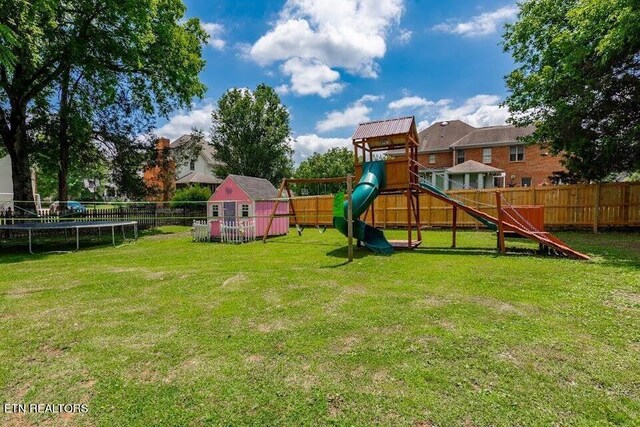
{"x":499,"y":306}
{"x":334,"y":405}
{"x":625,"y":300}
{"x":254,"y":358}
{"x":235,"y":280}
{"x":346,"y":344}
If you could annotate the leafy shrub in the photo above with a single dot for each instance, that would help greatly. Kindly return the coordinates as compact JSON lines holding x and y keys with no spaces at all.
{"x":184,"y":197}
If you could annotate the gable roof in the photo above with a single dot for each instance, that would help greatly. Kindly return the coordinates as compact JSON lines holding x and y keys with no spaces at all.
{"x":198,"y":178}
{"x":441,"y":135}
{"x":493,"y":135}
{"x":186,"y":139}
{"x":383,"y":128}
{"x":256,"y":188}
{"x":471,"y":166}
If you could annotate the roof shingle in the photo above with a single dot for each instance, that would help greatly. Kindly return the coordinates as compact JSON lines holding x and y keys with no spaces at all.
{"x":439,"y":136}
{"x":256,"y":188}
{"x":494,"y":135}
{"x":471,"y":166}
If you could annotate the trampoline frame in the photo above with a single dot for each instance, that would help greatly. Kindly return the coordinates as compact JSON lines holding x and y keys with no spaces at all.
{"x":30,"y":227}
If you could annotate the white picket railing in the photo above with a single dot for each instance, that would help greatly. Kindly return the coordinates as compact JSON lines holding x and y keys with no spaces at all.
{"x":201,"y":231}
{"x":240,"y":231}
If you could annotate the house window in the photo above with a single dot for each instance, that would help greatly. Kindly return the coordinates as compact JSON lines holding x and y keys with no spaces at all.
{"x":486,"y":155}
{"x":192,"y":165}
{"x":245,"y":211}
{"x":526,"y":182}
{"x":215,"y":211}
{"x":432,"y":158}
{"x":460,"y":157}
{"x":516,"y":153}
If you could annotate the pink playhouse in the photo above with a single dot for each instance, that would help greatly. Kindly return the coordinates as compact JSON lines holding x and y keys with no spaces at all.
{"x":242,"y":198}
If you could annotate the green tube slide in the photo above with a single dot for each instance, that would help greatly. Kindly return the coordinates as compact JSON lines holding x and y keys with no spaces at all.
{"x":364,"y":193}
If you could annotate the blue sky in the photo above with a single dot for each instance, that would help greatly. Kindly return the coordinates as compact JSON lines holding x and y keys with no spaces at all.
{"x":336,"y":63}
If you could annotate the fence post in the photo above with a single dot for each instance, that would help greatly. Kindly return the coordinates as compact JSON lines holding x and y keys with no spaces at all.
{"x":501,"y":246}
{"x":596,"y":208}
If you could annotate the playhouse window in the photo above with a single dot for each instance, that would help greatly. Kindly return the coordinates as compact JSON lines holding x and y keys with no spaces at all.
{"x":245,"y":211}
{"x":215,"y":212}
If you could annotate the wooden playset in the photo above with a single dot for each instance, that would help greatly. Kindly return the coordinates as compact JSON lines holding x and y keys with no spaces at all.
{"x":400,"y":174}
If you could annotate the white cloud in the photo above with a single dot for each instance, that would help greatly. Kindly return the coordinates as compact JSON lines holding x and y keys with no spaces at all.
{"x":370,"y":98}
{"x":479,"y":110}
{"x":410,"y":102}
{"x":282,"y":90}
{"x":404,"y":36}
{"x":183,"y":123}
{"x":325,"y":35}
{"x":215,"y":32}
{"x":481,"y":25}
{"x":310,"y":77}
{"x":305,"y":145}
{"x":354,"y":114}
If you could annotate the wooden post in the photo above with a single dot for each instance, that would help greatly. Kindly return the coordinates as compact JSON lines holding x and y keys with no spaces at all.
{"x":454,"y":226}
{"x":291,"y":207}
{"x":274,"y":210}
{"x":350,"y":216}
{"x":596,"y":208}
{"x":409,"y":203}
{"x":501,"y":246}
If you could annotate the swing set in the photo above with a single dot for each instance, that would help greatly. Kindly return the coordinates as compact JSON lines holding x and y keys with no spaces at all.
{"x":285,"y":191}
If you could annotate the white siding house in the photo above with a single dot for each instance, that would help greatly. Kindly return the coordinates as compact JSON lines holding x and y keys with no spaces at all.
{"x":193,"y":168}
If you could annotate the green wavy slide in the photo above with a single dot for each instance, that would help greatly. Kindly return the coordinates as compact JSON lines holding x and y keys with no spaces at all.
{"x":364,"y":193}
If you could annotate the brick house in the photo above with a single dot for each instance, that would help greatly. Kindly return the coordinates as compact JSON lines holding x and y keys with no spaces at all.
{"x":457,"y":155}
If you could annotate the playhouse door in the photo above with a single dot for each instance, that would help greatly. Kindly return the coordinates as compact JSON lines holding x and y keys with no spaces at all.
{"x":229,"y":212}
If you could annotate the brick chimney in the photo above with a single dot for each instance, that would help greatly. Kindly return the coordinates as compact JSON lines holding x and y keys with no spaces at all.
{"x":162,"y":144}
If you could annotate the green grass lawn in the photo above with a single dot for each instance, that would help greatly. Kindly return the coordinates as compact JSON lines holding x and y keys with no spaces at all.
{"x":168,"y":332}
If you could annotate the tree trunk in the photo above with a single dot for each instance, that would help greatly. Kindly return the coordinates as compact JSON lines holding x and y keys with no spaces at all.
{"x":17,"y":147}
{"x":63,"y":140}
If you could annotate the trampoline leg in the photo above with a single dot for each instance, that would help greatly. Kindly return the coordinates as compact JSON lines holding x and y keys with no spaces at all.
{"x":113,"y":236}
{"x":77,"y":238}
{"x":30,"y":248}
{"x":123,"y":236}
{"x":135,"y":230}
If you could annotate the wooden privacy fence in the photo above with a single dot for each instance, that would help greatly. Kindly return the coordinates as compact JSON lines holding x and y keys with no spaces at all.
{"x":565,"y":206}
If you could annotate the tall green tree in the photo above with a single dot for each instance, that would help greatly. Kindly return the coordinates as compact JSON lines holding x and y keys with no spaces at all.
{"x":144,"y":47}
{"x":578,"y":80}
{"x":333,"y":163}
{"x":7,"y":39}
{"x":251,"y":134}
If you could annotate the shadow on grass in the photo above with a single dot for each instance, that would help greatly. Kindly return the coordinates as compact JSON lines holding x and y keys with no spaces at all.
{"x":343,"y":253}
{"x":17,"y":250}
{"x":611,"y":248}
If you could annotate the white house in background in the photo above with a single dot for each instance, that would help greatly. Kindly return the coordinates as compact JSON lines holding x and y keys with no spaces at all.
{"x":193,"y":166}
{"x":6,"y":183}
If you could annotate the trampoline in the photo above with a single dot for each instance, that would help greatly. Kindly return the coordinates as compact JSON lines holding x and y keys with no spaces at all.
{"x":31,"y":227}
